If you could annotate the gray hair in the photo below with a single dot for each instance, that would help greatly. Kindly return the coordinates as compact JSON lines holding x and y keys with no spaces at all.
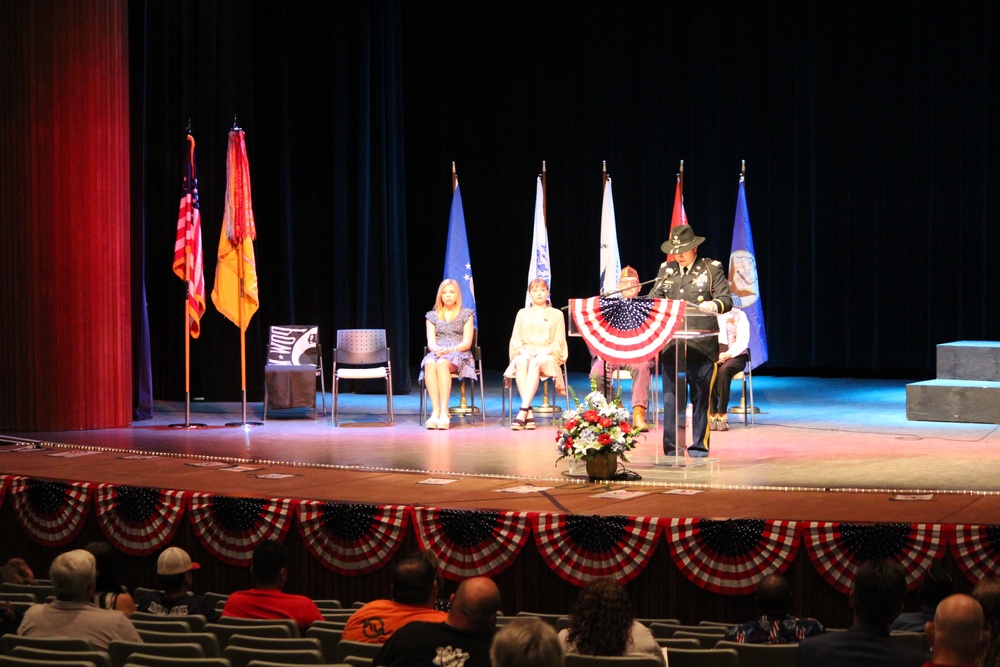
{"x":528,"y":642}
{"x":73,"y":575}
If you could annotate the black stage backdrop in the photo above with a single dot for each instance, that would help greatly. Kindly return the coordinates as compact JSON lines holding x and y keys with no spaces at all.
{"x":870,"y":132}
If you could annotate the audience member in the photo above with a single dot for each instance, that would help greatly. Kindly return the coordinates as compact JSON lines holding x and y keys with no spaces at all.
{"x":449,"y":339}
{"x":603,"y":623}
{"x":537,"y":349}
{"x":526,"y":642}
{"x":16,"y":571}
{"x":987,"y":594}
{"x":73,"y":614}
{"x":936,"y":586}
{"x":415,"y":586}
{"x":174,"y":570}
{"x":464,"y":638}
{"x":876,"y":597}
{"x":957,"y":635}
{"x":267,"y":599}
{"x":629,"y":284}
{"x":776,"y":625}
{"x":110,"y":594}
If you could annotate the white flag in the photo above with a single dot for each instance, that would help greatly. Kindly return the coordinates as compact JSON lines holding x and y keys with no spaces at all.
{"x":611,"y":263}
{"x":538,"y":266}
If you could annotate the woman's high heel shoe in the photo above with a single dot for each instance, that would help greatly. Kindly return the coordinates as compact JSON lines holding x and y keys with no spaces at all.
{"x":529,"y":421}
{"x":518,"y":423}
{"x":432,"y":423}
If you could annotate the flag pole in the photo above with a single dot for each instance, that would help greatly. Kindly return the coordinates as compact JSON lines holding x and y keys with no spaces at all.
{"x":463,"y":401}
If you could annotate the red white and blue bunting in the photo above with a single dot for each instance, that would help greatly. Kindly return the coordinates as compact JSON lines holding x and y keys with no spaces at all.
{"x":731,"y":556}
{"x":138,"y":520}
{"x":472,"y":543}
{"x":352,"y":539}
{"x":837,"y":549}
{"x":4,"y":483}
{"x":230,"y":528}
{"x":50,"y":513}
{"x":977,"y":550}
{"x":625,"y":331}
{"x":580,"y":547}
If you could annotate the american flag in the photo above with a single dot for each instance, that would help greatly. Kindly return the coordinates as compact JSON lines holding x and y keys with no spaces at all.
{"x":188,"y":260}
{"x":625,"y":331}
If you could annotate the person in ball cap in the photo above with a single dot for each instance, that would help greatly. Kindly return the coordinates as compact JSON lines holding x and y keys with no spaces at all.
{"x":628,"y":284}
{"x":702,"y":283}
{"x":174,"y":570}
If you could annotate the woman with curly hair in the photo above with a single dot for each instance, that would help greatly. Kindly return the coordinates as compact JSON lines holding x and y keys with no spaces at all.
{"x":603,"y":623}
{"x":987,"y":593}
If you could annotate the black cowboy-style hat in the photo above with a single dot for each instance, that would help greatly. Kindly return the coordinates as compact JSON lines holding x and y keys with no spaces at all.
{"x":682,"y":239}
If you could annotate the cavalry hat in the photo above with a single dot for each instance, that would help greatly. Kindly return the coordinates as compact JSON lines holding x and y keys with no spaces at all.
{"x":629,"y":272}
{"x":174,"y":561}
{"x":681,"y":239}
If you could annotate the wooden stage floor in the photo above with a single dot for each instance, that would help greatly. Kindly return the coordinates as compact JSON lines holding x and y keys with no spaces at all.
{"x":821,"y":449}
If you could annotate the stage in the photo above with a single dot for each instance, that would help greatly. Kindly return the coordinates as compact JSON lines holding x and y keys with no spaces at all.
{"x":821,"y":449}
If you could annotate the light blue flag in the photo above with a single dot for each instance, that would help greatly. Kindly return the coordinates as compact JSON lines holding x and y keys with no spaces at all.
{"x":538,"y":265}
{"x":743,"y":282}
{"x":611,"y":263}
{"x":457,"y":264}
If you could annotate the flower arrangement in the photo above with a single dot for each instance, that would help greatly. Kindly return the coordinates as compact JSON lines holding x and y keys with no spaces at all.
{"x":595,"y":426}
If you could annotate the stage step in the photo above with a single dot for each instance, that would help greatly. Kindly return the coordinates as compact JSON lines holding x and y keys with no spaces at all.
{"x":969,"y":360}
{"x":969,"y":401}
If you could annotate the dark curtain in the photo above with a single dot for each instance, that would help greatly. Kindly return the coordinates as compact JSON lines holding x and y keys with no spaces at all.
{"x":869,"y":133}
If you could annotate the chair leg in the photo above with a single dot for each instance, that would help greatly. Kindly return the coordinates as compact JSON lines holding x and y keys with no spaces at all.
{"x":336,"y":402}
{"x":482,"y":399}
{"x":388,"y":398}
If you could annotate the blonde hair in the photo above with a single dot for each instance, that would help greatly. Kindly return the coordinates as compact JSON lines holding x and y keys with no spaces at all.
{"x":438,"y":305}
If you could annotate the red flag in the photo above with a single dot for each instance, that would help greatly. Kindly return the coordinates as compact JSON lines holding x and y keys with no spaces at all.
{"x":188,"y":260}
{"x":679,"y":217}
{"x":235,"y":293}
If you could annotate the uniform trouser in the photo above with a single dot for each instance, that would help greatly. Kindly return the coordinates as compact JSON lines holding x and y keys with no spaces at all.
{"x":640,"y":378}
{"x":700,"y":376}
{"x":724,"y":377}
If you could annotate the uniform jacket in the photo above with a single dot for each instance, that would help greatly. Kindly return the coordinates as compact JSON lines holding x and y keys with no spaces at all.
{"x":706,"y":281}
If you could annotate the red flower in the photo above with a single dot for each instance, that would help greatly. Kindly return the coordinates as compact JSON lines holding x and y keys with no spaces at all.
{"x":604,"y":438}
{"x":605,"y":422}
{"x":591,"y":416}
{"x":570,"y":425}
{"x":569,"y":442}
{"x":625,"y":427}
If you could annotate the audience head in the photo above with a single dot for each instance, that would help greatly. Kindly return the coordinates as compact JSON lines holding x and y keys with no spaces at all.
{"x":601,"y":622}
{"x":269,"y":564}
{"x":774,"y":595}
{"x":415,"y":580}
{"x":173,"y":568}
{"x":74,"y":575}
{"x":474,"y":605}
{"x":987,"y":593}
{"x":879,"y":589}
{"x":538,"y":290}
{"x":16,"y":571}
{"x":108,"y":579}
{"x":526,"y":642}
{"x":957,"y":636}
{"x":449,"y":290}
{"x":936,"y":585}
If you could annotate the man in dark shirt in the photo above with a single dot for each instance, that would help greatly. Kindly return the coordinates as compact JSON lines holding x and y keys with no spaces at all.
{"x":174,"y":570}
{"x":463,"y":640}
{"x":776,"y":625}
{"x":877,"y":597}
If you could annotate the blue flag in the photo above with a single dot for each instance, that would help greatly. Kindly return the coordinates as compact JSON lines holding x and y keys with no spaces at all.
{"x":743,"y":282}
{"x":457,"y":264}
{"x":538,"y":266}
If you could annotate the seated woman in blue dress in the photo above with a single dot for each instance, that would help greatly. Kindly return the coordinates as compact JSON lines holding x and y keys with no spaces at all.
{"x":449,"y":339}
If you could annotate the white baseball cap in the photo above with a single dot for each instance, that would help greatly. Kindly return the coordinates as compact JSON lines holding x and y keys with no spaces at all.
{"x":174,"y":560}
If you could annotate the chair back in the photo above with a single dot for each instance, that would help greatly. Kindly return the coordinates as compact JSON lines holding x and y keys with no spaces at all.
{"x":293,"y":345}
{"x":255,"y":623}
{"x":361,"y":347}
{"x":346,"y":647}
{"x":708,"y":639}
{"x":147,"y":660}
{"x":577,"y":660}
{"x":18,"y":661}
{"x":328,"y":638}
{"x":99,"y":658}
{"x":10,"y":596}
{"x":208,"y":641}
{"x":763,"y":655}
{"x":9,"y":642}
{"x":276,"y":643}
{"x":551,"y":619}
{"x":166,"y":625}
{"x":702,"y":657}
{"x":224,"y":631}
{"x":41,"y":591}
{"x":121,"y":650}
{"x":240,"y":656}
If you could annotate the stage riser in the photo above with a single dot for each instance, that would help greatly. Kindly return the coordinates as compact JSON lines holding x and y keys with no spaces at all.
{"x":954,"y":401}
{"x":969,"y":360}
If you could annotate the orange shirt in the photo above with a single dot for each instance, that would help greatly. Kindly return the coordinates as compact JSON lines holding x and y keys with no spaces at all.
{"x":376,"y":621}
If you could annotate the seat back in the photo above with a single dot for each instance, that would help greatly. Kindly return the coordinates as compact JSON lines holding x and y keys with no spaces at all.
{"x":225,"y":631}
{"x":18,"y":661}
{"x":9,"y":642}
{"x":121,"y":650}
{"x":99,"y":658}
{"x":40,"y":591}
{"x":702,"y":657}
{"x":707,"y":638}
{"x":293,"y":627}
{"x":147,"y":660}
{"x":577,"y":660}
{"x":346,"y":647}
{"x":328,"y":638}
{"x":276,"y":643}
{"x":293,"y":345}
{"x":763,"y":655}
{"x":170,"y":625}
{"x":361,"y":347}
{"x":195,"y":622}
{"x":209,"y":642}
{"x":240,"y":656}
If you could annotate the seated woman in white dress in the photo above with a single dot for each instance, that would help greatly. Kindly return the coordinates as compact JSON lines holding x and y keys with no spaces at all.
{"x":449,"y":339}
{"x":537,"y":349}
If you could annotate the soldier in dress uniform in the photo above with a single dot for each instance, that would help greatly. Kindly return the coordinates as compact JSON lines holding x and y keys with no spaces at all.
{"x":702,"y":283}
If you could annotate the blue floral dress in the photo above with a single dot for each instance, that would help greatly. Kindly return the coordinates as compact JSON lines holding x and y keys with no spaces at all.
{"x":450,"y":334}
